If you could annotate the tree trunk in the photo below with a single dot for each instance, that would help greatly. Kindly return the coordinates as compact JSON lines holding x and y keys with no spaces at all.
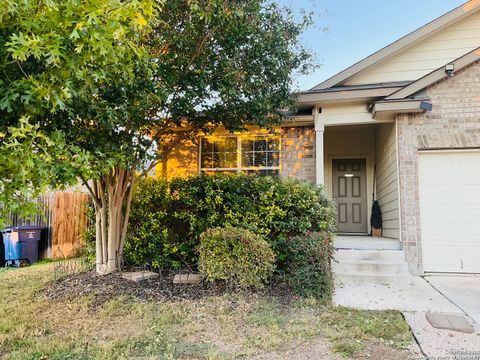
{"x":112,"y":196}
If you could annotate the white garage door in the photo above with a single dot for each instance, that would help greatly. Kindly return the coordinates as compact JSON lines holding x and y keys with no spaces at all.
{"x":450,"y":211}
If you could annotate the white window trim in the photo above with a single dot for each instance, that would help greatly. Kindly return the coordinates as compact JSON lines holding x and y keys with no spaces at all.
{"x":239,"y":167}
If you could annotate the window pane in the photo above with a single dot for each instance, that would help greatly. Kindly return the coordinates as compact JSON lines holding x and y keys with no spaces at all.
{"x":247,"y":145}
{"x":219,"y":152}
{"x":207,"y":160}
{"x":231,"y":144}
{"x":273,"y":159}
{"x":216,"y":160}
{"x":231,"y":160}
{"x":260,"y":159}
{"x":273,"y":144}
{"x":260,"y":145}
{"x":206,"y":145}
{"x":247,"y":159}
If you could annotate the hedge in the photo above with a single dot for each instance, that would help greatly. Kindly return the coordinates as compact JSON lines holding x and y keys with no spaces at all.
{"x":168,"y":218}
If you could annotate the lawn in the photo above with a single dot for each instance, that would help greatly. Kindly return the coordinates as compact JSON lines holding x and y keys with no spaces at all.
{"x":224,"y":326}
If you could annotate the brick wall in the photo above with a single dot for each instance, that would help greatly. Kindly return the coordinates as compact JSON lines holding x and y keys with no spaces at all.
{"x":454,"y":122}
{"x":298,"y":153}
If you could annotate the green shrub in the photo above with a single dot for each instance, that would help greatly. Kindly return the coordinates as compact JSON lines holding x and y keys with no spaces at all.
{"x":308,"y":265}
{"x":237,"y":256}
{"x":275,"y":208}
{"x":167,"y":219}
{"x":149,"y":238}
{"x":376,"y":217}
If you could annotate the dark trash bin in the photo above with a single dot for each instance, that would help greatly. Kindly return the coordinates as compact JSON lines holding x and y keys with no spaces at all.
{"x":21,"y":244}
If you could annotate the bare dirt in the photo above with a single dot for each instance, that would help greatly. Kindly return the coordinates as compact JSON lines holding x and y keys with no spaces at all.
{"x":106,"y":287}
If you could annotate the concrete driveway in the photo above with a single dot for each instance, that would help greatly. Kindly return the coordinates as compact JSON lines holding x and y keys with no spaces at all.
{"x":462,"y":290}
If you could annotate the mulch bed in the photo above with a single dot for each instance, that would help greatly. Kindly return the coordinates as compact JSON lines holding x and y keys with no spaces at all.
{"x":106,"y":287}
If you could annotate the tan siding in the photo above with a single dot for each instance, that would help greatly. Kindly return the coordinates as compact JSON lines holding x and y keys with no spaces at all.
{"x":346,"y":114}
{"x":387,"y":179}
{"x":426,"y":56}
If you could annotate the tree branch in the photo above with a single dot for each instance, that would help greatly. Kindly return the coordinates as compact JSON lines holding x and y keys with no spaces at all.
{"x":90,"y":190}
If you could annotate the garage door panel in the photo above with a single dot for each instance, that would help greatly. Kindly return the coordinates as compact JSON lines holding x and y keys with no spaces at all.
{"x":438,"y":227}
{"x":438,"y":195}
{"x":450,"y":255}
{"x":468,"y":167}
{"x":470,"y":228}
{"x":437,"y":170}
{"x":470,"y":257}
{"x":449,"y":191}
{"x":469,"y":195}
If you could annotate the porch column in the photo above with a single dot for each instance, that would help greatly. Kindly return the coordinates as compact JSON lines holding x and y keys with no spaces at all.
{"x":319,"y":156}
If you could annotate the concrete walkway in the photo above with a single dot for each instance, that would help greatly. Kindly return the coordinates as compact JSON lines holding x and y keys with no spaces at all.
{"x":405,"y":295}
{"x":463,"y":290}
{"x":414,"y":299}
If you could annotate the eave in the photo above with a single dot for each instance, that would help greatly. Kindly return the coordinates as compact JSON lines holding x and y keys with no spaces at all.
{"x":349,"y":93}
{"x":388,"y":109}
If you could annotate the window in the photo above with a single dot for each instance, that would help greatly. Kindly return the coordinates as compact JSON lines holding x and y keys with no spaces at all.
{"x":250,"y":154}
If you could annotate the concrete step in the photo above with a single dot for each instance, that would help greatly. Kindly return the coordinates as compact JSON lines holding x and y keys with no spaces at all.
{"x":372,"y":278}
{"x":370,"y":266}
{"x":380,"y":255}
{"x":366,"y":243}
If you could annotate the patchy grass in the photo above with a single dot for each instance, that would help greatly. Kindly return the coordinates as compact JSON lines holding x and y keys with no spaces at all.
{"x":215,"y":327}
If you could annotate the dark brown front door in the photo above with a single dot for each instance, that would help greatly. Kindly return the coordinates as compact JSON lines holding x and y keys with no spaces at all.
{"x":350,"y":195}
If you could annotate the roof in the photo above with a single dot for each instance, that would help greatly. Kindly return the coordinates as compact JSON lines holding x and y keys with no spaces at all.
{"x":434,"y":26}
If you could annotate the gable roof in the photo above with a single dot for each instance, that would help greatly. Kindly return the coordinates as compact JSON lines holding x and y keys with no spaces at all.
{"x":434,"y":26}
{"x":435,"y":76}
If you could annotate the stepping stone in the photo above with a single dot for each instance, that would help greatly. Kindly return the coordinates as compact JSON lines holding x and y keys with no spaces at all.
{"x":453,"y":322}
{"x":139,"y":275}
{"x":187,"y":279}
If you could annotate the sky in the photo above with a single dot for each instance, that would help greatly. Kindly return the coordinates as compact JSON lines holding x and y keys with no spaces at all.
{"x":356,"y":29}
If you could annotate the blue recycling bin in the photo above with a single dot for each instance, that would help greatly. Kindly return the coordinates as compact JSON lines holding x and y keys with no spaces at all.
{"x":21,"y":244}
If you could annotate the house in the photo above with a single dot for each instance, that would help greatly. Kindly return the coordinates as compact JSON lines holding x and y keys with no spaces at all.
{"x":401,"y":126}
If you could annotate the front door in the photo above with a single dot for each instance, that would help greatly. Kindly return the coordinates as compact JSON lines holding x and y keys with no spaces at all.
{"x":350,"y":195}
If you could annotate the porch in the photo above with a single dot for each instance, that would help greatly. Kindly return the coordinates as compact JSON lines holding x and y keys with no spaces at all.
{"x":357,"y":164}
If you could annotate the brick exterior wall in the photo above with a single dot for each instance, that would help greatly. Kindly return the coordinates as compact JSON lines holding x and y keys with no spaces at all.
{"x":298,"y":153}
{"x":453,"y":123}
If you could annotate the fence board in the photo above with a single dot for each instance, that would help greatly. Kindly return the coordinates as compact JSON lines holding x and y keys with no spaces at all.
{"x":69,"y":222}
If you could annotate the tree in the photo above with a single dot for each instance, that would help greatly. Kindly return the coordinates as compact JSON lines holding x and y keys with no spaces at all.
{"x":130,"y":80}
{"x":29,"y":165}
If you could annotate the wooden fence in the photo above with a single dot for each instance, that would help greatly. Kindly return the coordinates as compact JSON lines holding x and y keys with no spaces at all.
{"x":63,"y":215}
{"x":69,"y":223}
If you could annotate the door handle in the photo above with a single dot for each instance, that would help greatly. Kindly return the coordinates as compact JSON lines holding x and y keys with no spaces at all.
{"x":461,"y":264}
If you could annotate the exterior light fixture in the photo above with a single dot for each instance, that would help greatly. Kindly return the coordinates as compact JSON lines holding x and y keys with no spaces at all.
{"x":450,"y":69}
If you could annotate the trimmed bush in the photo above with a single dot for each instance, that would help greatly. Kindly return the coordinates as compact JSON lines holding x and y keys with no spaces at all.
{"x":376,"y":217}
{"x":275,"y":208}
{"x":237,"y":256}
{"x":308,"y":265}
